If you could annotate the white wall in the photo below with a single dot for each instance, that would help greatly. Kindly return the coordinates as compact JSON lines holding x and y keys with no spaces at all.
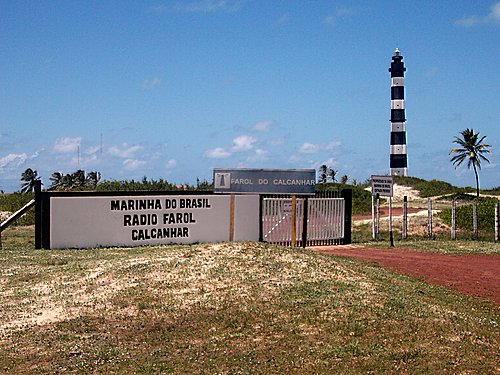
{"x":80,"y":222}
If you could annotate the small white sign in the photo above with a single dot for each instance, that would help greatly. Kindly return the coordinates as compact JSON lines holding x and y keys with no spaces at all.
{"x":382,"y":185}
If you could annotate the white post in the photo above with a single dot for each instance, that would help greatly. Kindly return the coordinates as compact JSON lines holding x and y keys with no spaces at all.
{"x":405,"y":217}
{"x":429,"y":217}
{"x":453,"y":219}
{"x":474,"y":220}
{"x":391,"y":238}
{"x":373,"y":217}
{"x":497,"y":238}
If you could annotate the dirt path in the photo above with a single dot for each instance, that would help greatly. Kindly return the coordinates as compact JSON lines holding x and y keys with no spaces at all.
{"x":475,"y":275}
{"x":384,"y":212}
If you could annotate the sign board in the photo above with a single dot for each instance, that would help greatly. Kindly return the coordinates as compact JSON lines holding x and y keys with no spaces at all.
{"x":382,"y":185}
{"x":265,"y":181}
{"x":133,"y":220}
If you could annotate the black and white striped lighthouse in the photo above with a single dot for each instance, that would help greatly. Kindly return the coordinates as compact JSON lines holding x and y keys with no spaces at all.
{"x":398,"y":161}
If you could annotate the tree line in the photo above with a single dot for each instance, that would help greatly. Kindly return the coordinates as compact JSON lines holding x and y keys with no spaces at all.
{"x":327,"y":174}
{"x":80,"y":180}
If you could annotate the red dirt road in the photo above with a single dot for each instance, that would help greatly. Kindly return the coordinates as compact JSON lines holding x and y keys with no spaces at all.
{"x":471,"y":274}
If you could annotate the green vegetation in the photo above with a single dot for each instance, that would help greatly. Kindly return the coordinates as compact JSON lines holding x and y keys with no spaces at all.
{"x":13,"y":202}
{"x":152,"y":185}
{"x":485,"y":213}
{"x":230,"y":308}
{"x":326,"y":174}
{"x":440,"y":245}
{"x":430,"y":188}
{"x":75,"y":181}
{"x":361,"y":198}
{"x":495,"y":191}
{"x":471,"y":149}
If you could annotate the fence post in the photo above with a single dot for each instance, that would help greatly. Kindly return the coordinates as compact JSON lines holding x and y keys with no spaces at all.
{"x":429,"y":217}
{"x":474,"y":220}
{"x":391,"y":237}
{"x":304,"y":222}
{"x":38,"y":214}
{"x":497,"y":237}
{"x":453,"y":219}
{"x":347,"y":195}
{"x":405,"y":217}
{"x":373,"y":219}
{"x":294,"y":220}
{"x":261,"y":224}
{"x":231,"y":217}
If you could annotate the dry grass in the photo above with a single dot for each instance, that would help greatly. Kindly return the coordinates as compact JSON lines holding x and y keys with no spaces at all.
{"x":229,"y":308}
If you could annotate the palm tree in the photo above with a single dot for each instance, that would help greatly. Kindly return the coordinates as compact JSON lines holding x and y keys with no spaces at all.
{"x":29,"y":178}
{"x":79,"y":178}
{"x":323,"y":174}
{"x":332,"y":174}
{"x":67,"y":181}
{"x":92,"y":179}
{"x":472,"y":149}
{"x":57,"y":179}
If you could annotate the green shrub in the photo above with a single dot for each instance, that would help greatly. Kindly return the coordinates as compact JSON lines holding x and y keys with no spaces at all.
{"x":430,"y":188}
{"x":494,"y":191}
{"x":361,"y":199}
{"x":485,"y":214}
{"x":13,"y":202}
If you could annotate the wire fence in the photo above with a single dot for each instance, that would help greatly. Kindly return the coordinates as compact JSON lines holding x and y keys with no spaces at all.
{"x":455,"y":219}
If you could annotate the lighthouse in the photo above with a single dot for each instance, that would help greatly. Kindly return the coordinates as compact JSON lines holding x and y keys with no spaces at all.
{"x":398,"y":159}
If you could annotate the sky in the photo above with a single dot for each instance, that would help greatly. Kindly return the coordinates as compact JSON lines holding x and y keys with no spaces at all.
{"x":172,"y":89}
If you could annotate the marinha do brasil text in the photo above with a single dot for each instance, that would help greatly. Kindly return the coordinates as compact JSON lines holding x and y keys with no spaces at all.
{"x":153,"y":219}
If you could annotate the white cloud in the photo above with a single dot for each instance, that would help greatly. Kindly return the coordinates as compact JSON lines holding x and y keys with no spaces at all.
{"x":333,"y":145}
{"x":259,"y":155}
{"x":243,"y":143}
{"x":171,"y":164}
{"x":339,"y":13}
{"x":158,"y":9}
{"x":330,"y":162}
{"x":151,"y":83}
{"x":92,"y":150}
{"x":492,"y":17}
{"x":217,"y":153}
{"x":125,"y":151}
{"x":309,"y":148}
{"x":277,"y":142}
{"x":209,"y":6}
{"x":67,"y":144}
{"x":13,"y":160}
{"x":263,"y":126}
{"x":133,"y":164}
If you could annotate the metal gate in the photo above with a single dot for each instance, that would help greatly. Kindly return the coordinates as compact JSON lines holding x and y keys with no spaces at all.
{"x":307,"y":221}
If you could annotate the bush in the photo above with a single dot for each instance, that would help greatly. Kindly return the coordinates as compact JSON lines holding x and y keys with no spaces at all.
{"x":151,"y":185}
{"x":13,"y":202}
{"x":361,"y":199}
{"x":495,"y":191}
{"x":430,"y":188}
{"x":485,"y":215}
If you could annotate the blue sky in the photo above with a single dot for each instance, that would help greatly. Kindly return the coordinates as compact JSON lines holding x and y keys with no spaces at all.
{"x":173,"y":89}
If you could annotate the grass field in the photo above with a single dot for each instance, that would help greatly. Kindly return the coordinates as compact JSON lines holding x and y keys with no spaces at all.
{"x":235,"y":308}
